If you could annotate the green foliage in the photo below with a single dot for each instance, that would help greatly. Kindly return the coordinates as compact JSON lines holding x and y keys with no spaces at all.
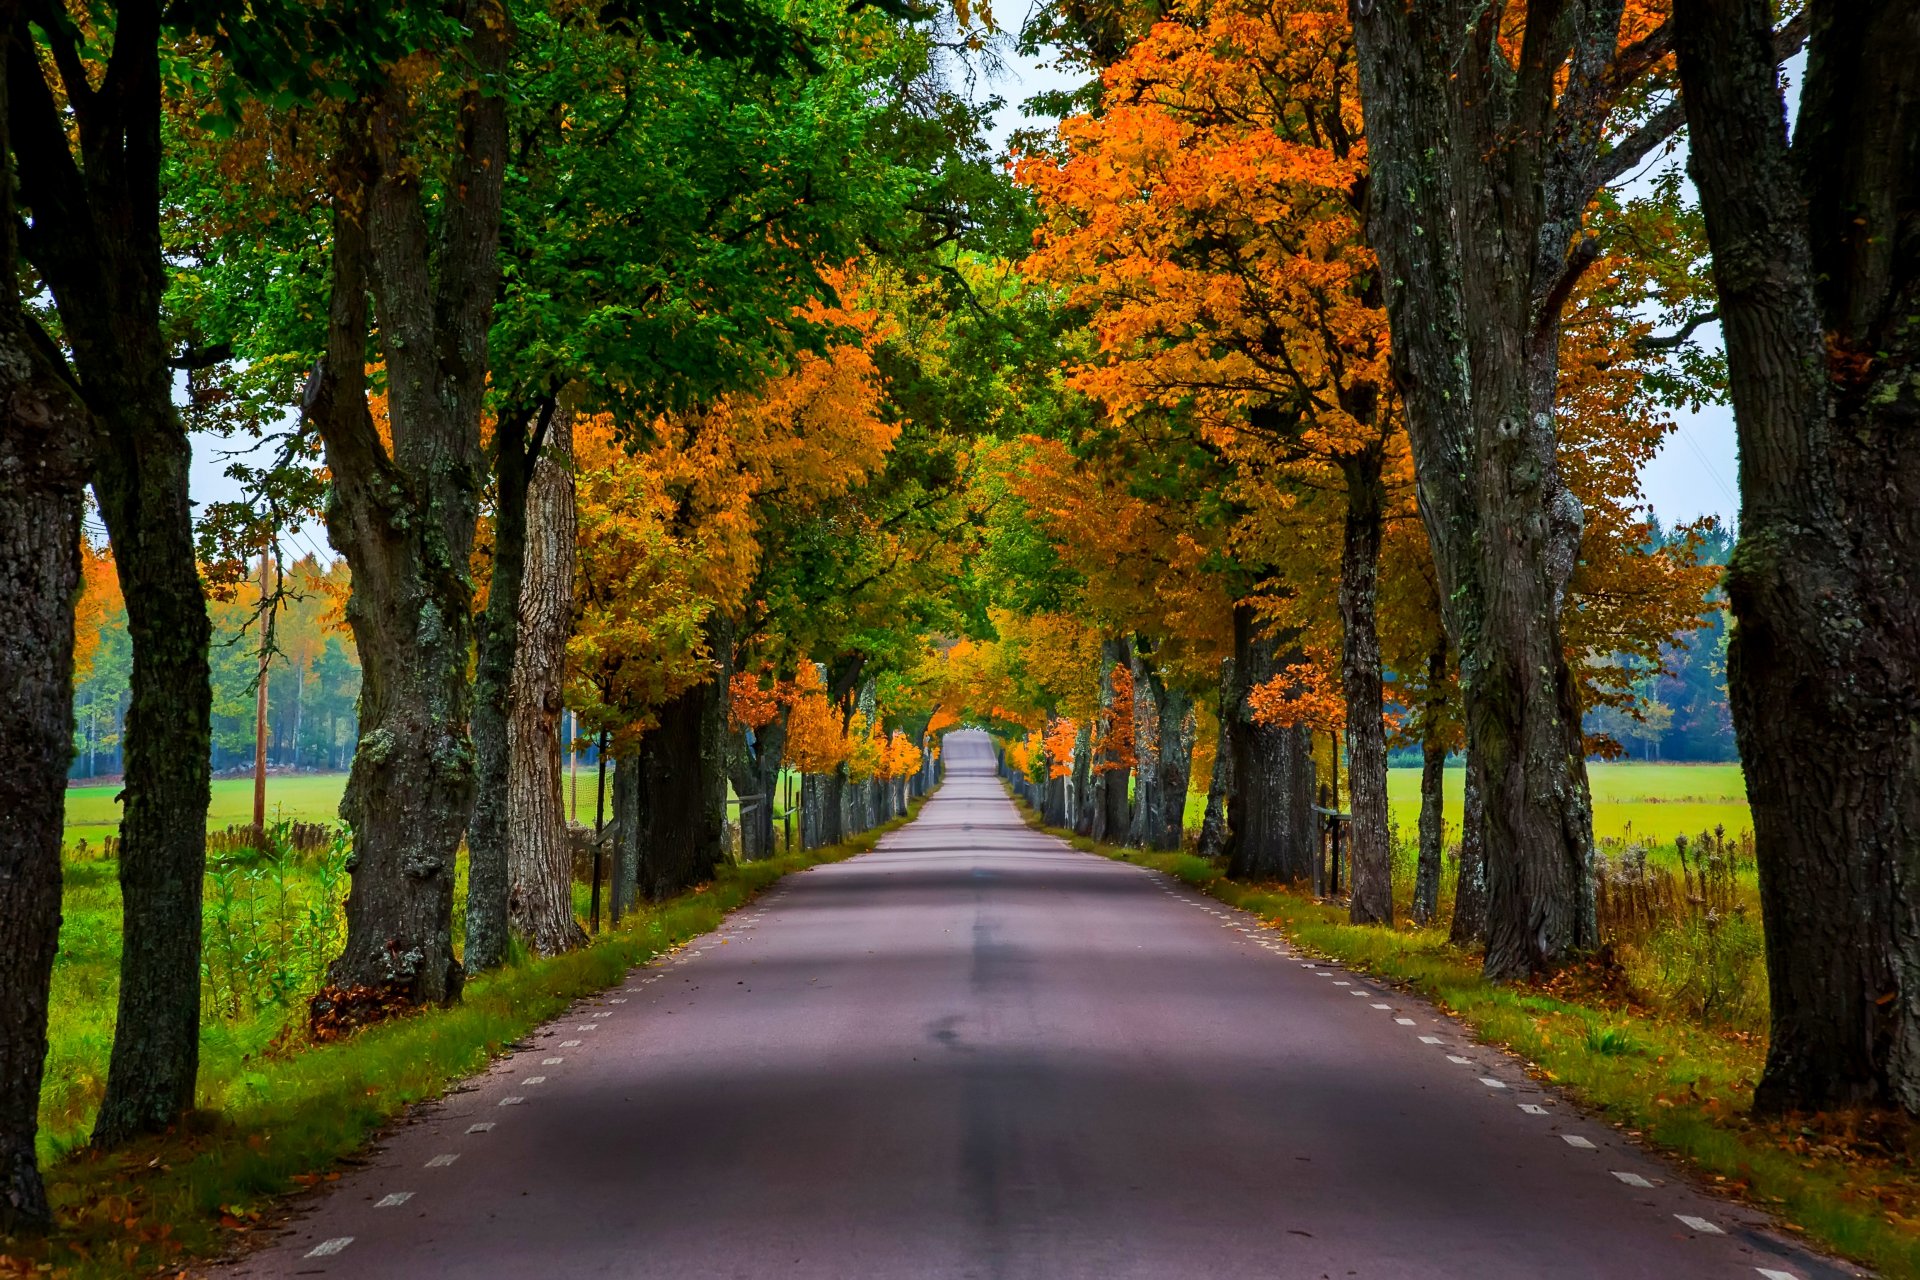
{"x":272,"y":925}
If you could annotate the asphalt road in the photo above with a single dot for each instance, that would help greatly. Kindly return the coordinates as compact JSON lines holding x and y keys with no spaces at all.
{"x":976,"y":1052}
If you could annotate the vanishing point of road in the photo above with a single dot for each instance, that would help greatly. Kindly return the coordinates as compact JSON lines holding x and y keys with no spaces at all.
{"x":977,"y":1052}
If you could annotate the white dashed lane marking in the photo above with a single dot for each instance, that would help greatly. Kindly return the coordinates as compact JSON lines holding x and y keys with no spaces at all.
{"x":1701,"y":1225}
{"x":441,"y":1162}
{"x":569,"y":1044}
{"x":393,"y":1200}
{"x":1454,"y":1057}
{"x":485,"y":1126}
{"x":534,"y":1080}
{"x":327,"y":1248}
{"x":1405,"y":1022}
{"x":1772,"y":1274}
{"x":1491,"y":1083}
{"x":1431,"y":1040}
{"x":551,"y":1062}
{"x":1533,"y":1108}
{"x":1385,"y":1006}
{"x":512,"y":1100}
{"x":1631,"y":1179}
{"x":1575,"y":1140}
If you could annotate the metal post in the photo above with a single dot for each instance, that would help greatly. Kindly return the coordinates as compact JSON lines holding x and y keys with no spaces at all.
{"x":260,"y":719}
{"x":599,"y":818}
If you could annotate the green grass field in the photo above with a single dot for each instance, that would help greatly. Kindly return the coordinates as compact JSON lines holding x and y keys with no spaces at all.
{"x":1630,"y":801}
{"x":308,"y":797}
{"x":1643,"y":801}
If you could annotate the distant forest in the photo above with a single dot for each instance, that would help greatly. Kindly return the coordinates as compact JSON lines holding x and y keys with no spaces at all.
{"x":1682,"y":713}
{"x":313,"y":680}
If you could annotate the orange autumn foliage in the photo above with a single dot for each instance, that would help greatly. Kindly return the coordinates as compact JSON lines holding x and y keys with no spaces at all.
{"x":670,"y":522}
{"x":1058,"y":741}
{"x":1303,"y":693}
{"x":98,"y":600}
{"x":816,"y":738}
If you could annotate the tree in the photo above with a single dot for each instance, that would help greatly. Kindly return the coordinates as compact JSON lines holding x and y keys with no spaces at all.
{"x":46,"y":443}
{"x":405,"y":490}
{"x":84,"y":121}
{"x":1491,"y":129}
{"x":540,"y":861}
{"x":1813,"y":256}
{"x":1209,"y":217}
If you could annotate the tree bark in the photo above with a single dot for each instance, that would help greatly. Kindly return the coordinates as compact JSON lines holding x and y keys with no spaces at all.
{"x":683,"y":770}
{"x":1080,"y":802}
{"x":1370,"y":857}
{"x":1149,"y":696}
{"x":753,"y":764}
{"x":1112,"y":815}
{"x":1433,"y":773}
{"x":1481,"y":173}
{"x":404,"y":516}
{"x":626,"y":836}
{"x":46,"y":445}
{"x":1469,"y":927}
{"x":1270,"y":827}
{"x":1176,"y":767}
{"x":1213,"y":826}
{"x":94,"y":237}
{"x":1819,"y":284}
{"x":489,"y":878}
{"x":540,"y":863}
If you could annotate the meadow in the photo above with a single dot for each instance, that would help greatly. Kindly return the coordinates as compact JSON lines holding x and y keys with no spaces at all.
{"x":1631,"y":801}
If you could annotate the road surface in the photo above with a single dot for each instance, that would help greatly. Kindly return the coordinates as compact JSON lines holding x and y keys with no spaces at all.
{"x":976,"y":1052}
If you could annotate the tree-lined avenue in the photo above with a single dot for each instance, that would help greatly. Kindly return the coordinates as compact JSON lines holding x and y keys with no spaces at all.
{"x":977,"y":1052}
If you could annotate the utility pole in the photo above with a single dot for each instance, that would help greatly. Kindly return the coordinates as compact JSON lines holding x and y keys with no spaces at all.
{"x":260,"y":718}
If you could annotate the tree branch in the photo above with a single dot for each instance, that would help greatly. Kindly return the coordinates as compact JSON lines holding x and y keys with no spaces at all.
{"x":1678,"y":338}
{"x":1664,"y":123}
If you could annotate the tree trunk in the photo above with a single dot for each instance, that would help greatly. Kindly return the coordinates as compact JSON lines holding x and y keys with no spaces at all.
{"x":488,"y":874}
{"x":1149,"y":695}
{"x":744,"y":776}
{"x":1819,"y":286}
{"x":94,"y":238}
{"x":1213,"y":827}
{"x":46,"y":442}
{"x":1476,"y":205}
{"x":1112,"y":814}
{"x":1176,"y":766}
{"x":1370,"y":856}
{"x":1080,"y":802}
{"x":1433,"y":775}
{"x":683,"y":792}
{"x":754,"y":767}
{"x":626,"y":836}
{"x":1054,"y":811}
{"x":809,"y":811}
{"x":404,"y":515}
{"x":1270,"y":826}
{"x":540,"y":863}
{"x":1469,"y":927}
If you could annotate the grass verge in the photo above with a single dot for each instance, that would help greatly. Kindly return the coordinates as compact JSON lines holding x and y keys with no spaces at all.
{"x":193,"y":1193}
{"x":1845,"y":1183}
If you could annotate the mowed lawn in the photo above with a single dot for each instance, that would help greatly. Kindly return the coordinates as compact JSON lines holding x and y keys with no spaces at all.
{"x":93,"y":813}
